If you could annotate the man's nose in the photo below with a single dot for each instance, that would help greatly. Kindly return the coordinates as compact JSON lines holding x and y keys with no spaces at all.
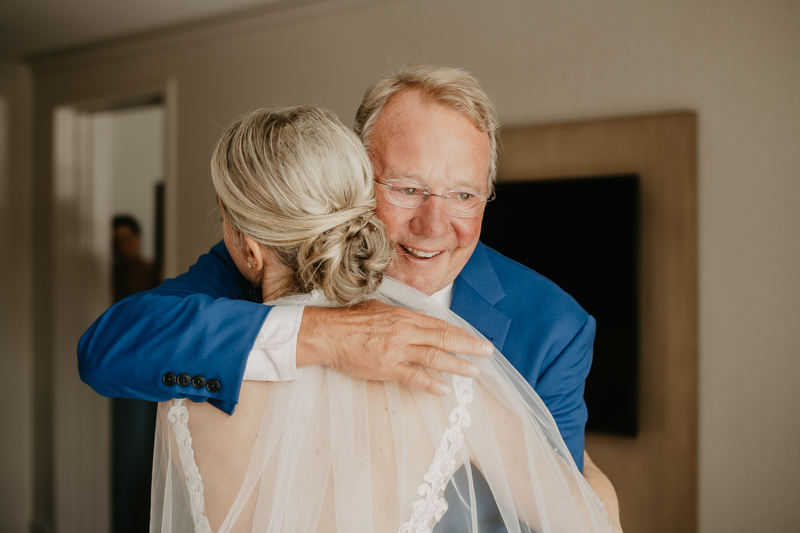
{"x":432,"y":219}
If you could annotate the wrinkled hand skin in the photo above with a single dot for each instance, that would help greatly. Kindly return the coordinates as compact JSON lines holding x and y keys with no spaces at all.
{"x":603,"y":488}
{"x":379,"y":342}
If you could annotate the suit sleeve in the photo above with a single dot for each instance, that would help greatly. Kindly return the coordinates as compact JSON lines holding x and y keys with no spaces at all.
{"x":201,"y":324}
{"x":561,"y":387}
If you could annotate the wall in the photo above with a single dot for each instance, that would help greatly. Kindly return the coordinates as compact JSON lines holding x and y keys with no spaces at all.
{"x":16,"y":287}
{"x":733,"y":62}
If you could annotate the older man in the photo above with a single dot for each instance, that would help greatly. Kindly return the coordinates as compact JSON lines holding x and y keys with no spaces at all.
{"x":432,"y":136}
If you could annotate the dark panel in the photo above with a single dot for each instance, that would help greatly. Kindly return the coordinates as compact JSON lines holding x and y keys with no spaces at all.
{"x":583,"y":235}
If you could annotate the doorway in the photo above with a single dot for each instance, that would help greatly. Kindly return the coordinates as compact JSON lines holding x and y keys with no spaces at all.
{"x":128,"y":155}
{"x":109,"y":169}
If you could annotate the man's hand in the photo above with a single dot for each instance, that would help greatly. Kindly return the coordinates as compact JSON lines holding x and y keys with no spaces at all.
{"x":377,"y":341}
{"x":603,"y":488}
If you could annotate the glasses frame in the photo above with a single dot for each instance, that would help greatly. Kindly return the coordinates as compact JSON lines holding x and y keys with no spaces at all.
{"x":425,"y":192}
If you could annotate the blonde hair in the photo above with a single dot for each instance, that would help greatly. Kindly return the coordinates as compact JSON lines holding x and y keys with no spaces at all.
{"x":298,"y":182}
{"x":451,"y":87}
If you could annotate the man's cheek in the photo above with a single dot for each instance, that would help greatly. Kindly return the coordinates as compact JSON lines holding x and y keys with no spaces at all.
{"x":395,"y":223}
{"x":469,"y":234}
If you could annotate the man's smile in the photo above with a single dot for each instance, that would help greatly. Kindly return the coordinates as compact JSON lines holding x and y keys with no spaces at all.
{"x":414,"y":252}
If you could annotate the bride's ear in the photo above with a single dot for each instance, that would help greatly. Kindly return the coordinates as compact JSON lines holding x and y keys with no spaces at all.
{"x":254,"y":254}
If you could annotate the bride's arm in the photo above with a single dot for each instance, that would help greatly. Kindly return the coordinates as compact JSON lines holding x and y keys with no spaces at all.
{"x":603,"y":488}
{"x":533,"y":475}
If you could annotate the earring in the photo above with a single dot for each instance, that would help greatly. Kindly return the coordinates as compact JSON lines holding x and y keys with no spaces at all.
{"x":249,"y":265}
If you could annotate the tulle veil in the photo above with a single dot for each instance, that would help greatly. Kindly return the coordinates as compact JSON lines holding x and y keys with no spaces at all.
{"x":329,"y":452}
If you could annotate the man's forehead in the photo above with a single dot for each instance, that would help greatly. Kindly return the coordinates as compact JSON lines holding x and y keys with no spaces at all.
{"x":412,"y":120}
{"x":412,"y":103}
{"x":419,"y":139}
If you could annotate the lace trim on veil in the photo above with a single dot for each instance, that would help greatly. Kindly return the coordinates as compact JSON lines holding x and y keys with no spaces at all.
{"x":428,"y":510}
{"x":179,"y":418}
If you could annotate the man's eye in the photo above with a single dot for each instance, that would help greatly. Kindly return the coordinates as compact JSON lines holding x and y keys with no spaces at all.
{"x":463,"y":196}
{"x":408,"y":191}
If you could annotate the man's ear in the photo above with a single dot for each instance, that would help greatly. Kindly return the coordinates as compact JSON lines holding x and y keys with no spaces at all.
{"x":254,"y":255}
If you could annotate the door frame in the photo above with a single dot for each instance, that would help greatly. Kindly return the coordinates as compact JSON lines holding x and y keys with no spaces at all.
{"x":72,"y":422}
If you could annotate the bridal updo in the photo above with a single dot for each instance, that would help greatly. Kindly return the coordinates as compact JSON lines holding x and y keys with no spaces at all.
{"x":298,"y":182}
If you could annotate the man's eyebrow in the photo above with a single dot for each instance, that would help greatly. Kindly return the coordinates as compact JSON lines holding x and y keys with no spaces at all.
{"x":401,"y":174}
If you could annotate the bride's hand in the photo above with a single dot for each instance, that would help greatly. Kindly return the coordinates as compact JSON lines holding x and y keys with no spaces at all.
{"x":380,"y":342}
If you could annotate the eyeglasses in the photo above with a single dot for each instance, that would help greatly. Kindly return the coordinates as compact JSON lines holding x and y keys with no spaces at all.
{"x":410,"y":194}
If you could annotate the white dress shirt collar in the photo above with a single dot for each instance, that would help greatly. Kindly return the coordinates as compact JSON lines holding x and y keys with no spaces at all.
{"x":443,"y":297}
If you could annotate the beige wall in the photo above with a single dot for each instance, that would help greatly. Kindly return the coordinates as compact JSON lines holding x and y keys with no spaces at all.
{"x":733,"y":62}
{"x":16,"y":327}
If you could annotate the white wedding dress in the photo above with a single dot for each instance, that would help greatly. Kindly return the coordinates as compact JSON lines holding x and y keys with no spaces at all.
{"x":329,"y":452}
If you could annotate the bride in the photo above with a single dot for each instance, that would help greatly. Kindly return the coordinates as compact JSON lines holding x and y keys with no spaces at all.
{"x":329,"y":452}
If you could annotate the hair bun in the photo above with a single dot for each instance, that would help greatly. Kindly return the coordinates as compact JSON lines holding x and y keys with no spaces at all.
{"x":346,"y":262}
{"x":299,"y":182}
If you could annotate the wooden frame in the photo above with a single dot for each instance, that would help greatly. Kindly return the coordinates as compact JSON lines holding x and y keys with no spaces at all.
{"x":655,"y":474}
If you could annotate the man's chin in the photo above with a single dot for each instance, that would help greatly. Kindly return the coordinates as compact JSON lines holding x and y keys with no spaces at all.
{"x":418,"y":280}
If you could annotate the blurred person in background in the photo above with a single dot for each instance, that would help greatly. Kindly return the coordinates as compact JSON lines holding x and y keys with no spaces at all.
{"x":131,"y":273}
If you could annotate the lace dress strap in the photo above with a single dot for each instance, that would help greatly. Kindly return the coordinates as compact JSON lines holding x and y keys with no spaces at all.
{"x":178,"y":417}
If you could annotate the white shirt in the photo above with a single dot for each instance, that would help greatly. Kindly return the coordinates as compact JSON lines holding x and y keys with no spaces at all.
{"x":274,"y":353}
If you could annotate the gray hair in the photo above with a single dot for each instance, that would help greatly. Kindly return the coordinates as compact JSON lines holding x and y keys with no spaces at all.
{"x":451,"y":87}
{"x":299,"y":182}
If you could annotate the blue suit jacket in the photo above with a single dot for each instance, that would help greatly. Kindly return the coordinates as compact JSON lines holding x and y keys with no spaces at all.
{"x":204,"y":323}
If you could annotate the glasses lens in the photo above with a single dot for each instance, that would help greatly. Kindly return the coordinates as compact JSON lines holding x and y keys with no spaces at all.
{"x":406,"y":193}
{"x":412,"y":194}
{"x":461,"y":203}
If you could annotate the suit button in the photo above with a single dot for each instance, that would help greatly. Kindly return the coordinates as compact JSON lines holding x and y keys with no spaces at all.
{"x":198,"y":382}
{"x":169,"y":379}
{"x":213,"y":385}
{"x":184,"y":379}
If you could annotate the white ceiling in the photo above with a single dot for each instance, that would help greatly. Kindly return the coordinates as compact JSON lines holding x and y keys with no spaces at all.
{"x":34,"y":26}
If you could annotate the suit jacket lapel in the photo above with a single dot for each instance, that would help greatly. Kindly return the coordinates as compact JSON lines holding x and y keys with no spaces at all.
{"x":477,"y":289}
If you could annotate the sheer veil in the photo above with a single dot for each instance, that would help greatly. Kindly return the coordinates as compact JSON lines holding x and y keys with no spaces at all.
{"x":333,"y":453}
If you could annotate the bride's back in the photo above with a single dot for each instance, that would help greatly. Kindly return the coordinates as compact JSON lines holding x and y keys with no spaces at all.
{"x":330,"y":441}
